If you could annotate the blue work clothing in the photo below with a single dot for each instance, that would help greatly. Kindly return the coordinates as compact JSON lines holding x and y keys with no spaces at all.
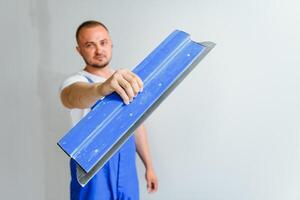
{"x":117,"y":180}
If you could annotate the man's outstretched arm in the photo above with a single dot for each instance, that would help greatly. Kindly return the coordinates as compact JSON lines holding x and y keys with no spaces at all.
{"x":142,"y":148}
{"x":84,"y":95}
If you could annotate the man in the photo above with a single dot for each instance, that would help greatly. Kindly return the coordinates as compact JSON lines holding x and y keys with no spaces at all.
{"x":118,"y":178}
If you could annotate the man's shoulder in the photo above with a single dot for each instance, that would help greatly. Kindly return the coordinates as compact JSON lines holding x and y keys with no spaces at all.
{"x":73,"y":78}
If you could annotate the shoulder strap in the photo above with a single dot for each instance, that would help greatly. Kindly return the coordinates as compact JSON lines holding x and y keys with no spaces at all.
{"x":89,"y":79}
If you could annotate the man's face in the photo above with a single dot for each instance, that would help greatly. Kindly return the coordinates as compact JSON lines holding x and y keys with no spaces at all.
{"x":95,"y":46}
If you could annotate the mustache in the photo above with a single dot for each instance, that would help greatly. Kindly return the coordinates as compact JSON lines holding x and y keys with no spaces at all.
{"x":100,"y":55}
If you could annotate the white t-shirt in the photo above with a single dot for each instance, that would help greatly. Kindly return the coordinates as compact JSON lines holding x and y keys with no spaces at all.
{"x":78,"y":114}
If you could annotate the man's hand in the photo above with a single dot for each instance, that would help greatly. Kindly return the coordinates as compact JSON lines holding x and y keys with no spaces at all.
{"x":123,"y":82}
{"x":142,"y":148}
{"x":152,"y":183}
{"x":84,"y":95}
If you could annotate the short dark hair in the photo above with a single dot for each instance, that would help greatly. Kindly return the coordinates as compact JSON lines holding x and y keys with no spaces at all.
{"x":89,"y":24}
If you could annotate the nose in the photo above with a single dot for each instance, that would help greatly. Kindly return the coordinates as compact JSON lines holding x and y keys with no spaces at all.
{"x":98,"y":49}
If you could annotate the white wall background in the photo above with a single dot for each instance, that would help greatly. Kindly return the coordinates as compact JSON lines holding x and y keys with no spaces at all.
{"x":230,"y":131}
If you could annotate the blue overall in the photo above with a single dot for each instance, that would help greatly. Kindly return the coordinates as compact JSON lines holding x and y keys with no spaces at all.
{"x":117,"y":180}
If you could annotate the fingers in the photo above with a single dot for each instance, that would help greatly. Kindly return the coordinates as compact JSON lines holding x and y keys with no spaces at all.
{"x":134,"y":81}
{"x":128,"y":88}
{"x":152,"y":183}
{"x":126,"y":84}
{"x":149,"y":186}
{"x":154,"y":186}
{"x":137,"y":80}
{"x":121,"y":92}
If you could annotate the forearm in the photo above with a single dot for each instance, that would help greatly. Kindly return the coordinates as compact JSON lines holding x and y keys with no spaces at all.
{"x":84,"y":95}
{"x":142,"y":146}
{"x":81,"y":95}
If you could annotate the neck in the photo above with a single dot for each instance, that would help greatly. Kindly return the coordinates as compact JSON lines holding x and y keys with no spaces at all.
{"x":104,"y":72}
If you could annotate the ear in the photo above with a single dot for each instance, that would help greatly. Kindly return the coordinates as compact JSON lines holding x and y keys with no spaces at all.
{"x":78,"y":49}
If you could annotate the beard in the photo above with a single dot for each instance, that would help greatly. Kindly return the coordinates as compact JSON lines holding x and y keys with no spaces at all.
{"x":99,"y":66}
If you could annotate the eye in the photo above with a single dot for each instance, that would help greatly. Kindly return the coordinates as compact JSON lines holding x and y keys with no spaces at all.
{"x":103,"y":42}
{"x":89,"y":45}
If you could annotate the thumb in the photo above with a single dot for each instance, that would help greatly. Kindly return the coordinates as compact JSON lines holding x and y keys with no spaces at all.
{"x":149,"y":185}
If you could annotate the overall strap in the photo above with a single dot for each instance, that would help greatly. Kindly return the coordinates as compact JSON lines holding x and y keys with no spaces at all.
{"x":89,"y":79}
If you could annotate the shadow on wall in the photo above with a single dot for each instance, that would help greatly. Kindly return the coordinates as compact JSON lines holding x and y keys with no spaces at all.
{"x":55,"y":119}
{"x":55,"y":124}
